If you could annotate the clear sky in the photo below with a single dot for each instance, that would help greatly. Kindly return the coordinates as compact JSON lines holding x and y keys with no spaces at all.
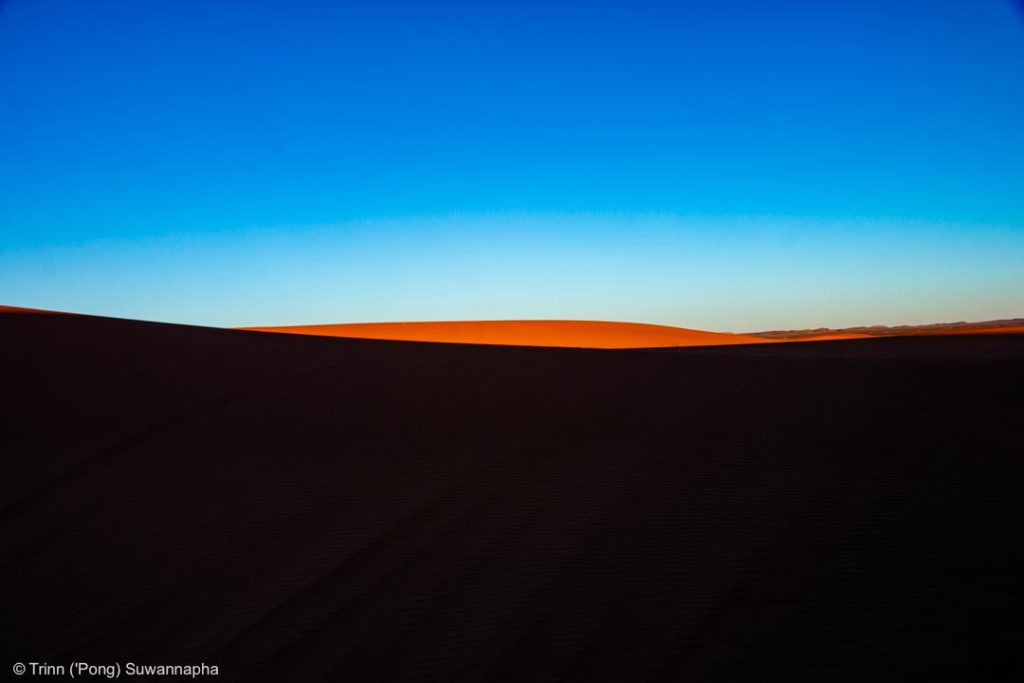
{"x":720,"y":165}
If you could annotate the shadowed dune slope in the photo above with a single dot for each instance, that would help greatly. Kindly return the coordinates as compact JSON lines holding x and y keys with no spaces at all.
{"x":567,"y":333}
{"x":296,"y":508}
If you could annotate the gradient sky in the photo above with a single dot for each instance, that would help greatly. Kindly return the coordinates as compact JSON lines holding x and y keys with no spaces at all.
{"x":727,"y":165}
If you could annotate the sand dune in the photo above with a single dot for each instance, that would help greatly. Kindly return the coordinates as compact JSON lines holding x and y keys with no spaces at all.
{"x":296,"y":508}
{"x":564,"y":333}
{"x":579,"y":334}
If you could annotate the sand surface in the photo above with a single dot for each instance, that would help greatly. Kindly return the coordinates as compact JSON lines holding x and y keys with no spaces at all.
{"x":296,"y":508}
{"x":565,"y":333}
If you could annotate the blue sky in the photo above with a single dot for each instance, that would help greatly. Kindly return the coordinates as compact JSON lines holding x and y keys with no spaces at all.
{"x":733,"y":165}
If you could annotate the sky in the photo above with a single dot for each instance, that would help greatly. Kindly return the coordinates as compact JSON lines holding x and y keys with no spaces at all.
{"x":719,"y":165}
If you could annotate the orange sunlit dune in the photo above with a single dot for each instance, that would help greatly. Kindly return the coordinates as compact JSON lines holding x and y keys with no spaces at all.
{"x":595,"y":334}
{"x":563,"y":333}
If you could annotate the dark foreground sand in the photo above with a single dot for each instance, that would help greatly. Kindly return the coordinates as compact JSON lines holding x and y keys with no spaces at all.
{"x":297,"y":508}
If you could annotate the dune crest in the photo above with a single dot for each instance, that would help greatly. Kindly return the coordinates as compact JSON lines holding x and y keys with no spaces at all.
{"x":20,"y":309}
{"x":560,"y":333}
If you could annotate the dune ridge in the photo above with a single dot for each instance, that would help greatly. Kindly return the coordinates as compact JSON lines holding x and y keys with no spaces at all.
{"x":558,"y":333}
{"x":20,"y":309}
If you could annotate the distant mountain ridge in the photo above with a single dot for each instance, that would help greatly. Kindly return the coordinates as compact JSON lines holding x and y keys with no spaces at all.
{"x":891,"y":330}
